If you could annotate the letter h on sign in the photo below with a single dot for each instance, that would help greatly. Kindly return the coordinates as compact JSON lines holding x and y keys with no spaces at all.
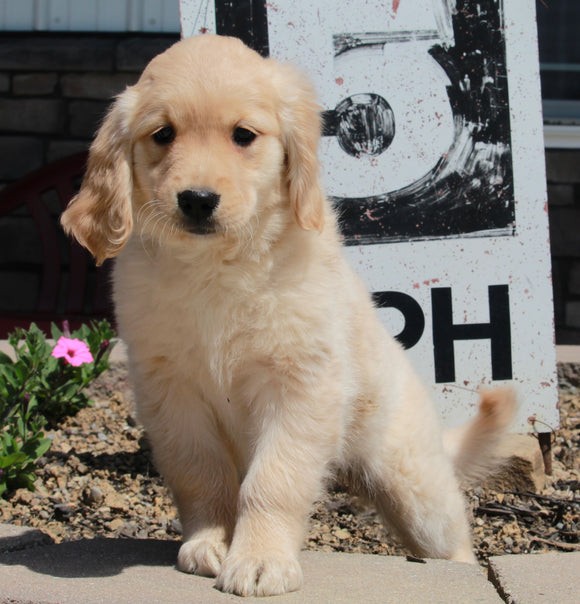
{"x":445,"y":332}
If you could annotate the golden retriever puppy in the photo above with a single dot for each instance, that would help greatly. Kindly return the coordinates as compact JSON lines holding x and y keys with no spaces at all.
{"x":260,"y":366}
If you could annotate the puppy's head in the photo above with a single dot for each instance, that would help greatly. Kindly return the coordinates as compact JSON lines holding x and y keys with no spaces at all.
{"x":211,"y":141}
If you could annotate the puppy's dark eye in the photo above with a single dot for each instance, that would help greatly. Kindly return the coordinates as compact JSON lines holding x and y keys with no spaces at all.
{"x":243,"y":137}
{"x":164,"y":135}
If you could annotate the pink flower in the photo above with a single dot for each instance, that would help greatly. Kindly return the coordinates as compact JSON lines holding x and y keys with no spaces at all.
{"x":74,"y":352}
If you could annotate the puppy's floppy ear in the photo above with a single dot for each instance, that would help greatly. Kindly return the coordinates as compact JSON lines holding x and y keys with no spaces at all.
{"x":100,"y":216}
{"x":301,"y":126}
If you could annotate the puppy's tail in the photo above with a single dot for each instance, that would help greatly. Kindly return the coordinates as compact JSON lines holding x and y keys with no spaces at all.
{"x":473,"y":446}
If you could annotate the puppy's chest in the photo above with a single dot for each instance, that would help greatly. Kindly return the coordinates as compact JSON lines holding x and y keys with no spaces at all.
{"x":209,"y":327}
{"x":227,"y":334}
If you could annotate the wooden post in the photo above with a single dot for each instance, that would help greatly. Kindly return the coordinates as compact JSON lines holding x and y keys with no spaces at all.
{"x":545,"y":440}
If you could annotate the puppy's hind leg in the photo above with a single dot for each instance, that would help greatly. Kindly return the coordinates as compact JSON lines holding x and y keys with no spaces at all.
{"x":413,"y":484}
{"x":428,"y":514}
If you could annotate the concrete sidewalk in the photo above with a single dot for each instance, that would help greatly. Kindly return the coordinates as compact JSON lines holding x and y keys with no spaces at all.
{"x":142,"y":571}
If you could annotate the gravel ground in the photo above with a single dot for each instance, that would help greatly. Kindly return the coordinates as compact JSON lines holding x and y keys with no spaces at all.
{"x":98,"y":480}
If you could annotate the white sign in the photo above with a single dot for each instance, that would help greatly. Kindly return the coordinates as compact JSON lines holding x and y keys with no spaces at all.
{"x":433,"y":153}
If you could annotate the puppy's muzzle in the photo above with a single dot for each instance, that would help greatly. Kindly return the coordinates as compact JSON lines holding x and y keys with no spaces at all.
{"x":198,"y":207}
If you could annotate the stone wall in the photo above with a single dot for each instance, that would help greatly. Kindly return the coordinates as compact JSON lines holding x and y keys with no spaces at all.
{"x":55,"y":88}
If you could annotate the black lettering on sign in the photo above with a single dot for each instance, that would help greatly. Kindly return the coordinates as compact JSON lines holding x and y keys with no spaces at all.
{"x":445,"y":333}
{"x":411,"y":311}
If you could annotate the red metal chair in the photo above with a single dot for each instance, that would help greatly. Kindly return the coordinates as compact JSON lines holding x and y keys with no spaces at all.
{"x":71,"y":287}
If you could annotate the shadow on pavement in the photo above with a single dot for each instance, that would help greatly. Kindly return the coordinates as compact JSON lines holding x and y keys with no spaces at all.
{"x":94,"y":557}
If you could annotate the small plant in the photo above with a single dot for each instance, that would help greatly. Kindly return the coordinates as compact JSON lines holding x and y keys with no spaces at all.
{"x":43,"y":384}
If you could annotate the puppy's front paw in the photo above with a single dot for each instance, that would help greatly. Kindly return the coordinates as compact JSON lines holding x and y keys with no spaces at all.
{"x":202,"y":556}
{"x":259,"y":575}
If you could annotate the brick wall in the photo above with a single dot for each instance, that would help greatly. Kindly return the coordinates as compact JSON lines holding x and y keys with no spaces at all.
{"x":55,"y":88}
{"x":54,"y":91}
{"x":563,"y":175}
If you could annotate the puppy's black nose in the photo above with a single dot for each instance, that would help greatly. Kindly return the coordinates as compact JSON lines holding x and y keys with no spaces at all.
{"x":198,"y":205}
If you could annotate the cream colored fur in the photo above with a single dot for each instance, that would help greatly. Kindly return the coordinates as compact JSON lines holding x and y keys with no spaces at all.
{"x":260,"y":366}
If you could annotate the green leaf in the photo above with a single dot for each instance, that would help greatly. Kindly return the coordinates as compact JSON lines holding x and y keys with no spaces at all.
{"x":27,"y":480}
{"x":13,"y":459}
{"x":34,"y":330}
{"x":20,"y":426}
{"x":68,"y":391}
{"x":21,"y":372}
{"x":33,"y":402}
{"x":13,"y":339}
{"x":37,"y":447}
{"x":10,"y":376}
{"x":81,"y":333}
{"x":55,"y":332}
{"x":52,"y":365}
{"x":5,"y":359}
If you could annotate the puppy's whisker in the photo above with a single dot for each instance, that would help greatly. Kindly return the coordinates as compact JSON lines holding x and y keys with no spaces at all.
{"x":152,"y":220}
{"x":166,"y":232}
{"x":147,"y":208}
{"x":148,"y":217}
{"x":156,"y":231}
{"x":162,"y":236}
{"x":147,"y":205}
